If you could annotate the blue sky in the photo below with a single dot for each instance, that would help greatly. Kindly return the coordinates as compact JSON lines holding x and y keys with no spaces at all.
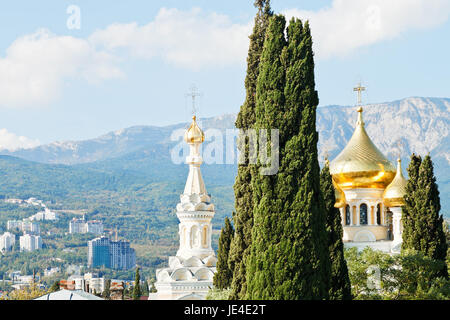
{"x":131,"y":62}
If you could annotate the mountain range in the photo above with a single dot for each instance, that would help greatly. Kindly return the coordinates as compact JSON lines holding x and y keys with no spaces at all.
{"x":398,"y":128}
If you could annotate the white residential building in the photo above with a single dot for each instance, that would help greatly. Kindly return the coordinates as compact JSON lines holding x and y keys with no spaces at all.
{"x":51,"y":271}
{"x":93,"y":226}
{"x":82,"y":226}
{"x":26,"y":226}
{"x":44,"y":215}
{"x":76,"y":225}
{"x":14,"y":224}
{"x":13,"y":200}
{"x":30,"y":242}
{"x":30,"y":227}
{"x":7,"y":241}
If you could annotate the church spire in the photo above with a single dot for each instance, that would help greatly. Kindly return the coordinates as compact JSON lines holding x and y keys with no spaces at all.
{"x":194,"y":136}
{"x":195,"y":209}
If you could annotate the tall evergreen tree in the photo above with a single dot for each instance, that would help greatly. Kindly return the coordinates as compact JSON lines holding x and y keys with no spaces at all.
{"x":107,"y":292}
{"x":409,"y":235}
{"x":424,"y":226}
{"x":243,"y":217}
{"x":289,"y":251}
{"x":224,"y":275}
{"x":137,"y":286}
{"x":340,"y":287}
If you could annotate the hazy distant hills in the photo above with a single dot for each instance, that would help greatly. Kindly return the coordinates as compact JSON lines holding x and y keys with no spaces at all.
{"x":400,"y":127}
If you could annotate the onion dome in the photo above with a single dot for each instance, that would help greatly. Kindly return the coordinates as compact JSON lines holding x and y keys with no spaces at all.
{"x":194,"y":134}
{"x":340,"y":196}
{"x":361,"y":164}
{"x":393,"y":195}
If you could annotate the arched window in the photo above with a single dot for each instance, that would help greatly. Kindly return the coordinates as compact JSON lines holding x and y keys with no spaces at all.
{"x":205,"y":237}
{"x":194,"y":237}
{"x":363,"y":214}
{"x":347,"y":215}
{"x":379,"y":214}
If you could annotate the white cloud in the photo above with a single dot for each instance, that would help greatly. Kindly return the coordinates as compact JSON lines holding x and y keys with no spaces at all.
{"x":13,"y":142}
{"x":189,"y":39}
{"x":36,"y":65}
{"x":350,"y":24}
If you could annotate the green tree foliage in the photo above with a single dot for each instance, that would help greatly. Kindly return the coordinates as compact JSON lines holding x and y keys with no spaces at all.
{"x":423,"y":225}
{"x":224,"y":275}
{"x":27,"y":293}
{"x":54,"y":287}
{"x":340,"y":288}
{"x":289,"y":252}
{"x":106,"y":294}
{"x":376,"y":275}
{"x":144,"y":288}
{"x":218,"y":294}
{"x":137,"y":286}
{"x":152,"y":288}
{"x":243,"y":216}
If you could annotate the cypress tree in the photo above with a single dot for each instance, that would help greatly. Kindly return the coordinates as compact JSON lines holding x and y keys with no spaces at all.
{"x":409,"y":235}
{"x":224,"y":275}
{"x":340,"y":287}
{"x":423,"y":226}
{"x":107,"y":292}
{"x":137,"y":286}
{"x":243,"y":217}
{"x":289,"y":251}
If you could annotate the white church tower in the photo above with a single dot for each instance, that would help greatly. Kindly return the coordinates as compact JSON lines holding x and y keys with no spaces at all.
{"x":190,"y":272}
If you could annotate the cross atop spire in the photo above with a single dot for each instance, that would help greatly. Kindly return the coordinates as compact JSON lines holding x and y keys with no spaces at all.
{"x":193,"y":94}
{"x":359,"y":89}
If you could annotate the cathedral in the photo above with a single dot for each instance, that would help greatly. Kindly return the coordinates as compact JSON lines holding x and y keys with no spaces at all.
{"x":369,"y":193}
{"x":190,"y":273}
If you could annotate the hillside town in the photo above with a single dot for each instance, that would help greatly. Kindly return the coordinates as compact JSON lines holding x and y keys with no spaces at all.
{"x":102,"y":253}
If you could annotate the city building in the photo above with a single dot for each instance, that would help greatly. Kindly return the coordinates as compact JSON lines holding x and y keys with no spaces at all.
{"x":93,"y":226}
{"x":98,"y":252}
{"x":76,"y":225}
{"x":26,"y":226}
{"x":369,"y":192}
{"x":190,"y":273}
{"x":122,"y":255}
{"x":51,"y":271}
{"x":14,"y":224}
{"x":7,"y":241}
{"x":29,"y":242}
{"x":15,"y":201}
{"x":82,"y":226}
{"x":30,"y":227}
{"x":111,"y":254}
{"x":44,"y":215}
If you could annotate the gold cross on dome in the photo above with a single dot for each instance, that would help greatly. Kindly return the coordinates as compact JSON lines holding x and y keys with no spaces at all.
{"x":359,"y":89}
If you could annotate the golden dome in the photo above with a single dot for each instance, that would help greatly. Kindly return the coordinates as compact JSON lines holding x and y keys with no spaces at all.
{"x":361,"y":164}
{"x":393,"y":195}
{"x":340,"y":196}
{"x":194,"y":134}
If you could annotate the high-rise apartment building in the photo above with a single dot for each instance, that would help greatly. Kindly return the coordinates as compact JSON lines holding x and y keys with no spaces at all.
{"x":7,"y":241}
{"x":111,"y":254}
{"x":29,"y":242}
